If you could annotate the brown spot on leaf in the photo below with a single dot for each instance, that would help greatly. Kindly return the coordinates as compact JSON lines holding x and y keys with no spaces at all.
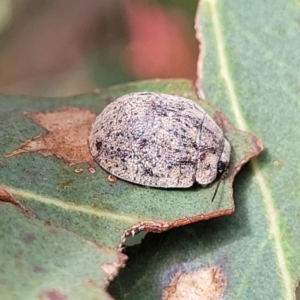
{"x":90,"y":282}
{"x":18,"y":255}
{"x":277,"y":163}
{"x":111,"y":178}
{"x":52,"y":295}
{"x":29,"y":238}
{"x":92,"y":170}
{"x":66,"y":183}
{"x":112,"y":269}
{"x":66,"y":138}
{"x":206,"y":283}
{"x":38,"y":269}
{"x":47,"y":223}
{"x":6,"y":196}
{"x":78,"y":170}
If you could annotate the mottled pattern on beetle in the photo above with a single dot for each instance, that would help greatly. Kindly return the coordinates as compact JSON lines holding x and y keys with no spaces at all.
{"x":157,"y":140}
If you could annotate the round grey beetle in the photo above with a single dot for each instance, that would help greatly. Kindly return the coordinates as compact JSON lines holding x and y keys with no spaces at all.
{"x":159,"y":140}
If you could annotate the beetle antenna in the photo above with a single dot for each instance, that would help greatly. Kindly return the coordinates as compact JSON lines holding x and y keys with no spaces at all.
{"x":221,"y":178}
{"x":215,"y":193}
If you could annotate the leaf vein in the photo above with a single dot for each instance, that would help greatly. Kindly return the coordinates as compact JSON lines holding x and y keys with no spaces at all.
{"x":72,"y":207}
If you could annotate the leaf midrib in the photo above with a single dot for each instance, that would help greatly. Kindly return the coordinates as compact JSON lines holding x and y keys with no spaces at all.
{"x":73,"y":207}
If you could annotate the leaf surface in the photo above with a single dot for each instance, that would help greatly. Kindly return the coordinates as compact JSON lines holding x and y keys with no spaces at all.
{"x":40,"y":261}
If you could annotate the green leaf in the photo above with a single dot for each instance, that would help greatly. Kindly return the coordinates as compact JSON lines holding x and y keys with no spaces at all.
{"x":40,"y":261}
{"x":47,"y":172}
{"x":250,"y":70}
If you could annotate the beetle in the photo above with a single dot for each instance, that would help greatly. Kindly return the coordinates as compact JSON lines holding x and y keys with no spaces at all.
{"x":159,"y":140}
